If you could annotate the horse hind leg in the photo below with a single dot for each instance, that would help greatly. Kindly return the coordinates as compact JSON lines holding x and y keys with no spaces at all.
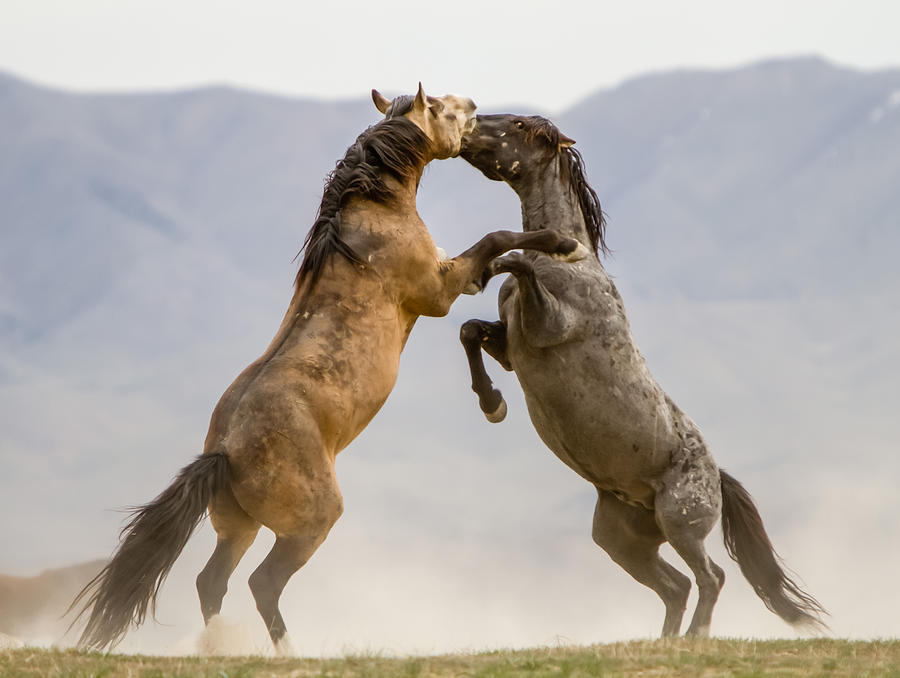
{"x":286,"y":481}
{"x":630,"y":536}
{"x":301,"y":510}
{"x":288,"y":554}
{"x":686,"y":511}
{"x":235,"y":532}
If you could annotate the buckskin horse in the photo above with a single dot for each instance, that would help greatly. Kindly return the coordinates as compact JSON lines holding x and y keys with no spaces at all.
{"x":592,"y":399}
{"x":369,"y":270}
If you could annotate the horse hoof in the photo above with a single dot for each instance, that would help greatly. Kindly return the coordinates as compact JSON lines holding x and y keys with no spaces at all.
{"x":579,"y":253}
{"x":497,"y":415}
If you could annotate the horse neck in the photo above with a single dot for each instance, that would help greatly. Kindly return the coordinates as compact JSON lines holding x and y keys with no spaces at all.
{"x":549,"y":201}
{"x":404,"y":192}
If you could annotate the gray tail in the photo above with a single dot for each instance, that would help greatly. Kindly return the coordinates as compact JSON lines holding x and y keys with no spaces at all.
{"x":748,"y":545}
{"x":150,"y":543}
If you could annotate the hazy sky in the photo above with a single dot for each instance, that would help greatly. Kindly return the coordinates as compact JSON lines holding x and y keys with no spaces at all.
{"x":543,"y":54}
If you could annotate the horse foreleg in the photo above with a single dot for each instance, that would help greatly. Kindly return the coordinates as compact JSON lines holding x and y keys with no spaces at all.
{"x":467,"y":271}
{"x":475,"y":335}
{"x":546,"y":320}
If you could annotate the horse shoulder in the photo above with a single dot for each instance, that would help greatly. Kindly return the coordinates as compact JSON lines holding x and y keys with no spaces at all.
{"x":552,"y":308}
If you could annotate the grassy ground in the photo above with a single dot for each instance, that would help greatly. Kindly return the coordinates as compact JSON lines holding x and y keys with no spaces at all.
{"x":688,"y":658}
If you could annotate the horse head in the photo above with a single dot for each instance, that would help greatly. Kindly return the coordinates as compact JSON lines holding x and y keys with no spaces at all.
{"x":519,"y":150}
{"x":507,"y":147}
{"x":445,"y":120}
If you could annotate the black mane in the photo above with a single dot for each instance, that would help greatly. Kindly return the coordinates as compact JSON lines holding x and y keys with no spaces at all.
{"x":594,"y":219}
{"x":394,"y":148}
{"x":572,"y":165}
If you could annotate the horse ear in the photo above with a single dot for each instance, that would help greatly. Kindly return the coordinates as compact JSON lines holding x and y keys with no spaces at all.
{"x":421,"y":102}
{"x":381,"y":102}
{"x":564,"y":141}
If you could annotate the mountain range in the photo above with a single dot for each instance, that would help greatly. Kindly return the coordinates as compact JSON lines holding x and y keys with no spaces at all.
{"x":147,"y":246}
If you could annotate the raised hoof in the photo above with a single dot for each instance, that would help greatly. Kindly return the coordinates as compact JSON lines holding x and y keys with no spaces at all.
{"x":579,"y":253}
{"x":497,"y":415}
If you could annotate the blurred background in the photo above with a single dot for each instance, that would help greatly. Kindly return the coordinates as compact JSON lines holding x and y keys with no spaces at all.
{"x":161,"y":163}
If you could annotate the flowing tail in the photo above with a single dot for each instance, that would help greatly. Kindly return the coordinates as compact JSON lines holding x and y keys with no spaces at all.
{"x":748,"y":545}
{"x":149,"y":544}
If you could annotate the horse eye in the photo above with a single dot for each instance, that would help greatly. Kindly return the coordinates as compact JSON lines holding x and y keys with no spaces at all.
{"x":520,"y":124}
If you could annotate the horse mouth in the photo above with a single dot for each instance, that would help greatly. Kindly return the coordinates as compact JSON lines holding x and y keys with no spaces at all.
{"x":468,"y":133}
{"x":471,"y":123}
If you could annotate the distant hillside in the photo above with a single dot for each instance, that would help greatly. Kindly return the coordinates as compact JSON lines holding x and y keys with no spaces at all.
{"x":146,"y":247}
{"x":769,"y":181}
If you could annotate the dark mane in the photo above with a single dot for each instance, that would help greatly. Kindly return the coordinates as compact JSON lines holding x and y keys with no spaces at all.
{"x":572,"y":165}
{"x":594,"y":219}
{"x":394,"y":148}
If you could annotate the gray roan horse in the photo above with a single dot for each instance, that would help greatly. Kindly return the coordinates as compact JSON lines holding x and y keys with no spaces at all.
{"x":593,"y":401}
{"x":370,"y":269}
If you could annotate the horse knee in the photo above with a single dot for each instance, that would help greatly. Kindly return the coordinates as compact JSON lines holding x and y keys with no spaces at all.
{"x":470,"y":333}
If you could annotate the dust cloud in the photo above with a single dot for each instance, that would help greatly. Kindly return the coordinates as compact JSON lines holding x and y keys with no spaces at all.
{"x":365,"y":595}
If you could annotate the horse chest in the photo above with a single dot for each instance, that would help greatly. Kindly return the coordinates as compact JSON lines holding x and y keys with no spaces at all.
{"x":591,"y":399}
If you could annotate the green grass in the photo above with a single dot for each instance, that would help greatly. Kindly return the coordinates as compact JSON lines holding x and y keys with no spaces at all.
{"x":681,"y":657}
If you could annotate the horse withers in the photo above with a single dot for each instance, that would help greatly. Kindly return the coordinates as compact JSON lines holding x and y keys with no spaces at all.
{"x":594,"y":402}
{"x":369,"y":270}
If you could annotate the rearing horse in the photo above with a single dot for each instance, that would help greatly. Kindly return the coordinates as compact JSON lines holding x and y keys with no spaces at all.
{"x":593,"y":400}
{"x":370,"y":269}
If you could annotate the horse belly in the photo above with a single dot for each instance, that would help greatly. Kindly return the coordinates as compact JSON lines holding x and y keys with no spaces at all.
{"x":608,"y":426}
